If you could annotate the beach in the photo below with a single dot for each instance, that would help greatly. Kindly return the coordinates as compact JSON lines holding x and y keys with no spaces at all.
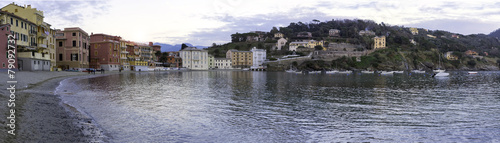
{"x":39,"y":113}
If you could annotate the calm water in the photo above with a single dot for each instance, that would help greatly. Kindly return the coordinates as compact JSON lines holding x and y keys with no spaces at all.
{"x":242,"y":106}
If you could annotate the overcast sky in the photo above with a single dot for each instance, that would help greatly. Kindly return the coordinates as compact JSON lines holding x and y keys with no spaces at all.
{"x":203,"y":22}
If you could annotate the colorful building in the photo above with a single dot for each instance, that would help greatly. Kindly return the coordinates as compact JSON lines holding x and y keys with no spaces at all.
{"x":379,"y":42}
{"x":38,"y":34}
{"x":414,"y":31}
{"x":211,"y":61}
{"x":241,"y":59}
{"x":450,"y":56}
{"x":72,"y":48}
{"x":279,"y":35}
{"x":306,"y":44}
{"x":105,"y":52}
{"x":156,"y":48}
{"x":194,"y":58}
{"x":4,"y":33}
{"x":124,"y":61}
{"x":174,"y":59}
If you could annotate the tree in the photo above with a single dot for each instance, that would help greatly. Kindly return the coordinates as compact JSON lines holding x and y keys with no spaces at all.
{"x":184,"y":46}
{"x":471,"y":63}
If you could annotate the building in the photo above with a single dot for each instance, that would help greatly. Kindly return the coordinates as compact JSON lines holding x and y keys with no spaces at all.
{"x":34,"y":38}
{"x":4,"y":37}
{"x":279,"y":35}
{"x":280,"y":43}
{"x":334,"y":32}
{"x":450,"y":56}
{"x":211,"y":62}
{"x":412,"y":41}
{"x":379,"y":42}
{"x":241,"y":59}
{"x":414,"y":31}
{"x":174,"y":59}
{"x":156,"y":48}
{"x":223,"y":63}
{"x":105,"y":52}
{"x":124,"y":60}
{"x":306,"y":44}
{"x":259,"y":57}
{"x":194,"y":58}
{"x":455,"y":36}
{"x":431,"y":36}
{"x":72,"y":48}
{"x":229,"y":53}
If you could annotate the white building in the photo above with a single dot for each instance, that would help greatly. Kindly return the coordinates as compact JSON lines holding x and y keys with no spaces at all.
{"x":281,"y":43}
{"x":223,"y":63}
{"x":194,"y":59}
{"x":294,"y":45}
{"x":259,"y":56}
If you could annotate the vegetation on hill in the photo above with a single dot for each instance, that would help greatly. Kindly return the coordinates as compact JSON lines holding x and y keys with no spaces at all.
{"x":400,"y":53}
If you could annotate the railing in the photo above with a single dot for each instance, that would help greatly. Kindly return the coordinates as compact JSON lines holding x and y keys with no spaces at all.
{"x":34,"y":55}
{"x":43,"y":45}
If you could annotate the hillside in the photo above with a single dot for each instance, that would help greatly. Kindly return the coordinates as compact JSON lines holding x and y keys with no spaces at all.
{"x":400,"y":53}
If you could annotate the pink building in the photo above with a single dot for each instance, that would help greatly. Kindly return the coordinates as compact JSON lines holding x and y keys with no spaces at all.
{"x":4,"y":33}
{"x":72,"y":48}
{"x":105,"y":52}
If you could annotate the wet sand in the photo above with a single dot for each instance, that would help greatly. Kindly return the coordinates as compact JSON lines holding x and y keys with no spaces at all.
{"x":40,"y":114}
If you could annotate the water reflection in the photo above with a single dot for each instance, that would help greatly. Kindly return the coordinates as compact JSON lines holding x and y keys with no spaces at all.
{"x":243,"y":106}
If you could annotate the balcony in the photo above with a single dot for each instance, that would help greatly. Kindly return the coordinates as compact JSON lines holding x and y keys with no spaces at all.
{"x":123,"y":58}
{"x":124,"y":52}
{"x":34,"y":55}
{"x":42,"y":35}
{"x":42,"y":45}
{"x":33,"y":32}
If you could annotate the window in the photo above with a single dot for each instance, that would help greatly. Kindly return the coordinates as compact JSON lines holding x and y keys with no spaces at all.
{"x":60,"y":57}
{"x":74,"y":34}
{"x":22,"y":24}
{"x":74,"y":43}
{"x":74,"y":57}
{"x":60,"y":44}
{"x":17,"y":24}
{"x":11,"y":21}
{"x":79,"y":43}
{"x":95,"y":53}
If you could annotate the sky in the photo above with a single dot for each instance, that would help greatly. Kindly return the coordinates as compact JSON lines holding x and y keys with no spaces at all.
{"x":203,"y":22}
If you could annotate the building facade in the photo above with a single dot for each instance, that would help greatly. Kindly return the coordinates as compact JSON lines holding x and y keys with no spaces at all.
{"x":211,"y":61}
{"x":241,"y":59}
{"x":35,"y":41}
{"x":174,"y":59}
{"x":4,"y":33}
{"x":72,"y":48}
{"x":259,"y":57}
{"x":105,"y":52}
{"x":280,"y":43}
{"x":279,"y":35}
{"x":194,"y":58}
{"x":223,"y":63}
{"x":124,"y":61}
{"x":379,"y":42}
{"x":334,"y":32}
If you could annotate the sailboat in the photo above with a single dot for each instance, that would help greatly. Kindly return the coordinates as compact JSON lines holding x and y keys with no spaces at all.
{"x":440,"y":72}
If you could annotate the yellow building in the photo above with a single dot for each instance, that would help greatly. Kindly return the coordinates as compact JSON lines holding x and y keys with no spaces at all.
{"x":241,"y":59}
{"x":307,"y":44}
{"x":414,"y":31}
{"x":40,"y":34}
{"x":125,"y":65}
{"x":279,"y":35}
{"x":379,"y":42}
{"x":450,"y":56}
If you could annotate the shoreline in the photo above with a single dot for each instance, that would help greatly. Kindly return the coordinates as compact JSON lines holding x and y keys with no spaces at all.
{"x":41,"y":115}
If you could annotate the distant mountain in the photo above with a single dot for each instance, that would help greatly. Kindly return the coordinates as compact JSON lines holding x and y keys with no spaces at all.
{"x":176,"y":47}
{"x":495,"y":33}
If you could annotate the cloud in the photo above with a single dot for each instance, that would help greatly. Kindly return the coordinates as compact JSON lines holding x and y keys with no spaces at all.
{"x":461,"y":26}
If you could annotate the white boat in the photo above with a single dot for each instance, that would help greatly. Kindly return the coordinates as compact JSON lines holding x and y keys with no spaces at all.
{"x":387,"y":72}
{"x":298,"y":72}
{"x":441,"y":74}
{"x":345,"y":72}
{"x":399,"y":72}
{"x":418,"y":71}
{"x":290,"y":71}
{"x":332,"y":72}
{"x":368,"y":72}
{"x":245,"y":69}
{"x":472,"y":72}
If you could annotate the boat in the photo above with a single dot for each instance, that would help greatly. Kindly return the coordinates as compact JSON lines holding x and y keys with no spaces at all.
{"x":438,"y":70}
{"x":368,"y":72}
{"x":345,"y":72}
{"x":441,"y":74}
{"x":245,"y":69}
{"x":387,"y":72}
{"x":332,"y":72}
{"x":418,"y":71}
{"x":472,"y":72}
{"x":290,"y":71}
{"x":399,"y":72}
{"x":298,"y":72}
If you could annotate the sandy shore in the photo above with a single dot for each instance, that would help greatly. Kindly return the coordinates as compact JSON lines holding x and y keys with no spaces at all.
{"x":40,"y":115}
